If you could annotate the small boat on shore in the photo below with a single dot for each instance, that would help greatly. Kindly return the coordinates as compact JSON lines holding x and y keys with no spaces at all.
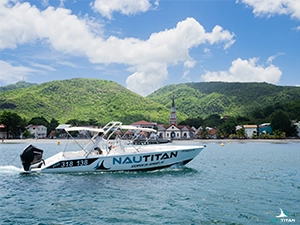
{"x":107,"y":150}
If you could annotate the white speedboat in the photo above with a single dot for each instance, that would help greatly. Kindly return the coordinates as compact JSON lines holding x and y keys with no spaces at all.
{"x":107,"y":150}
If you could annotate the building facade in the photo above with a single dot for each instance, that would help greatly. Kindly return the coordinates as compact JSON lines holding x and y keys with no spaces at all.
{"x":250,"y":130}
{"x":175,"y":132}
{"x":144,"y":124}
{"x":37,"y":131}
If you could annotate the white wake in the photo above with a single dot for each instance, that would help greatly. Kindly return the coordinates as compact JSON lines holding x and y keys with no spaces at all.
{"x":10,"y":170}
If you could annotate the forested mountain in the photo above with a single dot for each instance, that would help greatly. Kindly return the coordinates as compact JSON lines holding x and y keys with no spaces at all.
{"x":243,"y":99}
{"x":20,"y":84}
{"x":102,"y":101}
{"x":83,"y":99}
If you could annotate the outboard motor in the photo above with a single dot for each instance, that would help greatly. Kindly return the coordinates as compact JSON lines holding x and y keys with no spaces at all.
{"x":31,"y":156}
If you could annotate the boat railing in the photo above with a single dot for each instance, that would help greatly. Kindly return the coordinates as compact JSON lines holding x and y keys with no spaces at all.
{"x":111,"y":138}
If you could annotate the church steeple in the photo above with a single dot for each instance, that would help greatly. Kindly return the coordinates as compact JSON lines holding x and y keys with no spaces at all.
{"x":173,"y":120}
{"x":173,"y":103}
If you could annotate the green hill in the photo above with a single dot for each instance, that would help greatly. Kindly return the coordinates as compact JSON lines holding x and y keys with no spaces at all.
{"x":205,"y":98}
{"x":103,"y":101}
{"x":20,"y":84}
{"x":83,"y":99}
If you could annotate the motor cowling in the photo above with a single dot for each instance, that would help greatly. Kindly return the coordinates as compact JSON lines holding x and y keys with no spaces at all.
{"x":31,"y":156}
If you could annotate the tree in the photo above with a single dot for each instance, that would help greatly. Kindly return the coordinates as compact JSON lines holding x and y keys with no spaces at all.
{"x":214,"y":120}
{"x":241,"y":133}
{"x":281,"y":122}
{"x":228,"y":127}
{"x":52,"y":125}
{"x":196,"y":122}
{"x":203,"y":132}
{"x":39,"y":121}
{"x":278,"y":134}
{"x":14,"y":124}
{"x":242,"y":120}
{"x":26,"y":134}
{"x":76,"y":122}
{"x":92,"y":121}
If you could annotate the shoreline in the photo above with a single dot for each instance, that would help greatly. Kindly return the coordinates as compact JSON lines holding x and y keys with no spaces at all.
{"x":17,"y":141}
{"x":249,"y":140}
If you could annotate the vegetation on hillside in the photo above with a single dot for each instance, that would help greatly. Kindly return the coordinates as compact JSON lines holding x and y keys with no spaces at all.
{"x":83,"y":99}
{"x":233,"y":99}
{"x":95,"y":102}
{"x":18,"y":85}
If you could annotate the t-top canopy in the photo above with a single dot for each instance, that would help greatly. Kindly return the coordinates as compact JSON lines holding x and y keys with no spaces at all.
{"x":84,"y":128}
{"x":130,"y":127}
{"x":62,"y":126}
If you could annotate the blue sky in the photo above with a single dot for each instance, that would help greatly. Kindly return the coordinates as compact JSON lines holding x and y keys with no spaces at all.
{"x":144,"y":45}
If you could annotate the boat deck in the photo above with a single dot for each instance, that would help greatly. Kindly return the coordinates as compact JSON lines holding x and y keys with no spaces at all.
{"x":116,"y":150}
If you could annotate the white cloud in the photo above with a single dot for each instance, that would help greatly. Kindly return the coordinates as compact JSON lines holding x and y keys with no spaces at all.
{"x":207,"y":51}
{"x":147,"y":78}
{"x":69,"y":64}
{"x":44,"y":67}
{"x":126,"y":7}
{"x":62,"y":3}
{"x":272,"y":57}
{"x":23,"y":23}
{"x":68,"y":34}
{"x":45,"y":3}
{"x":161,"y":49}
{"x":272,"y":7}
{"x":297,"y":28}
{"x":189,"y":64}
{"x":12,"y":74}
{"x":218,"y":34}
{"x":245,"y":71}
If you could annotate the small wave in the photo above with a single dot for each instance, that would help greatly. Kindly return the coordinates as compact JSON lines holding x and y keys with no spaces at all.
{"x":10,"y":169}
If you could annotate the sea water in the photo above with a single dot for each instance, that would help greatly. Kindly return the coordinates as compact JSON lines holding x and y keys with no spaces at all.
{"x":234,"y":183}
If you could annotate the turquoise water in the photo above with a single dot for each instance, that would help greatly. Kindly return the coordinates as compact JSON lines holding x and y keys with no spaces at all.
{"x":240,"y":183}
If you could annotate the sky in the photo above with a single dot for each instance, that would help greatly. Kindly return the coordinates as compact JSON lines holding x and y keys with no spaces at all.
{"x":147,"y":44}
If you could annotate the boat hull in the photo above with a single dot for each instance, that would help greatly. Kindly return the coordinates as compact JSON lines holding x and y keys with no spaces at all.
{"x":121,"y":161}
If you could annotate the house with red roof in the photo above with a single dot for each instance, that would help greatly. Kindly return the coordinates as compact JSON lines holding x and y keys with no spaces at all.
{"x":37,"y":131}
{"x":144,"y":124}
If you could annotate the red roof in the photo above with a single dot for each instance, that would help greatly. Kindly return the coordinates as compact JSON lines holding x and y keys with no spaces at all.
{"x":183,"y":126}
{"x":180,"y":127}
{"x":142,"y":122}
{"x":212,"y":131}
